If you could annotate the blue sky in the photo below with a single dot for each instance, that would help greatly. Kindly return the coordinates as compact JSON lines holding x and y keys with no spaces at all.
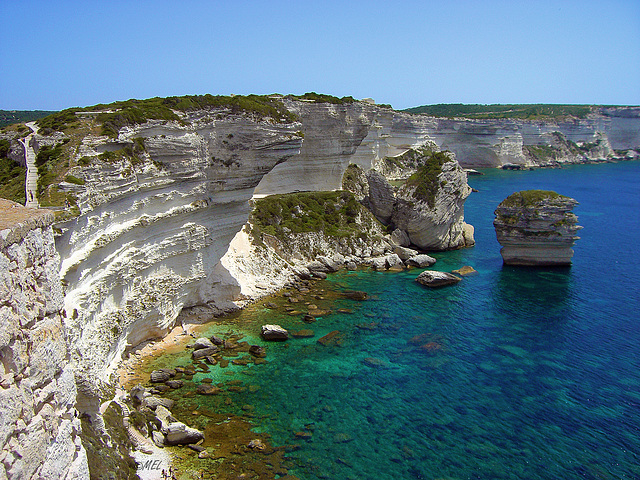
{"x":59,"y":54}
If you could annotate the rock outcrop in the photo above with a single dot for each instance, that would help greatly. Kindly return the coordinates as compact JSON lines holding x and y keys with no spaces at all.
{"x":39,"y":427}
{"x":536,"y":227}
{"x":430,"y":205}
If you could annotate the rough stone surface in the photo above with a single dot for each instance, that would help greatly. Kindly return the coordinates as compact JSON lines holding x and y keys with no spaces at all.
{"x":204,"y":352}
{"x":421,"y":261}
{"x":405,"y":253}
{"x":150,"y":236}
{"x":537,"y":228}
{"x":400,"y":237}
{"x":274,"y":332}
{"x":152,"y":402}
{"x":177,"y":433}
{"x":381,"y":199}
{"x":465,"y":271}
{"x":39,"y":428}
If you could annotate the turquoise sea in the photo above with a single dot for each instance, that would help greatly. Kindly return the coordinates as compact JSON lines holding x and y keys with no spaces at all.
{"x":514,"y":373}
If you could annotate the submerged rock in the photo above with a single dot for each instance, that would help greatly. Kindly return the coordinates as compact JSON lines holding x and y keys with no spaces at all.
{"x":304,"y":333}
{"x":161,"y":376}
{"x":536,"y":227}
{"x":433,"y":279}
{"x":257,"y":351}
{"x":204,"y":352}
{"x":207,"y":389}
{"x":355,"y":295}
{"x":333,"y":338}
{"x":465,"y":271}
{"x":174,"y":384}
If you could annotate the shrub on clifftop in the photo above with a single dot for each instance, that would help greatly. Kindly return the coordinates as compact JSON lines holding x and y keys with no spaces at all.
{"x":334,"y":213}
{"x":425,"y":180}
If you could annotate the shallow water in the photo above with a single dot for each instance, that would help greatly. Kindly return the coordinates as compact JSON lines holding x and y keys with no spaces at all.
{"x":514,"y":373}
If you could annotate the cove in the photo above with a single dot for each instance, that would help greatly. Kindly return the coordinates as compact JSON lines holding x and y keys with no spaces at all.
{"x":514,"y":373}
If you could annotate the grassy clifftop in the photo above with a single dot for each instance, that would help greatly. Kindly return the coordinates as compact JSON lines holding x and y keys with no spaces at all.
{"x":524,"y":112}
{"x":9,"y":117}
{"x":116,"y":115}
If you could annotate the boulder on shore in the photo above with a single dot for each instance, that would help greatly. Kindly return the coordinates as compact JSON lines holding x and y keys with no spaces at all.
{"x":421,"y":261}
{"x":432,"y":279}
{"x":202,"y":342}
{"x":161,"y":376}
{"x":177,"y":433}
{"x":537,"y":228}
{"x":204,"y":352}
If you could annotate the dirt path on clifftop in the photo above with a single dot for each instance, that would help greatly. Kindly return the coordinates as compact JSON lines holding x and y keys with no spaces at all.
{"x":31,"y":179}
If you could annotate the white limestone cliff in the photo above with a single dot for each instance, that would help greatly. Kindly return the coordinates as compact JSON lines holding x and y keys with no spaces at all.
{"x":39,"y":424}
{"x":151,"y":233}
{"x":163,"y":231}
{"x":536,"y":228}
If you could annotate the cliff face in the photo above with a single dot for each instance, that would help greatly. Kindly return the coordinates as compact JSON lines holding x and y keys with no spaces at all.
{"x":152,"y":229}
{"x":536,"y":227}
{"x":39,"y":428}
{"x":495,"y":142}
{"x":365,"y":134}
{"x":159,"y":207}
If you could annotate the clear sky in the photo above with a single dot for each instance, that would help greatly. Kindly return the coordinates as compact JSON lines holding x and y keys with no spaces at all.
{"x":62,"y":53}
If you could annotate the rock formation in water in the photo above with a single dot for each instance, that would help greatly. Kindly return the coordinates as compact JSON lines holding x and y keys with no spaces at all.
{"x":536,"y":227}
{"x":430,"y":205}
{"x":427,"y":209}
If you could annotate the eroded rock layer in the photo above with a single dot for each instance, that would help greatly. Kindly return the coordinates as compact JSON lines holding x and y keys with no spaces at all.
{"x":536,"y":227}
{"x":151,"y":232}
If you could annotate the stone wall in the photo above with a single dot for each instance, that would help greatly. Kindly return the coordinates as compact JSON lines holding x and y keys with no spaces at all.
{"x":39,"y":427}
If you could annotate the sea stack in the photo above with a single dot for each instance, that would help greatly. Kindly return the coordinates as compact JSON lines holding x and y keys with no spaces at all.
{"x":536,"y":227}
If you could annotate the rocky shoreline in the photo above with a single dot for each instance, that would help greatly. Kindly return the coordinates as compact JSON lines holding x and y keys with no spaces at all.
{"x":150,"y":390}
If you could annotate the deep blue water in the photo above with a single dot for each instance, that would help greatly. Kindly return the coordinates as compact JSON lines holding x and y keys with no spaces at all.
{"x":532,"y":373}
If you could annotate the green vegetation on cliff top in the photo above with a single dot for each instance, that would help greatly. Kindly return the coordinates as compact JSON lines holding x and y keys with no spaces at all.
{"x":425,"y":180}
{"x":334,"y":213}
{"x":322,"y":98}
{"x":9,"y":117}
{"x":529,"y":198}
{"x":523,"y":112}
{"x":116,"y":115}
{"x":12,"y":176}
